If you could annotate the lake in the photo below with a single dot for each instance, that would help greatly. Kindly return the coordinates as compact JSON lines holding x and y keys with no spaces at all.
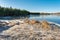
{"x":50,"y":18}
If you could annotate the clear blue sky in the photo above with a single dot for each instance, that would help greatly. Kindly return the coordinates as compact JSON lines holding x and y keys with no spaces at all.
{"x":33,"y":5}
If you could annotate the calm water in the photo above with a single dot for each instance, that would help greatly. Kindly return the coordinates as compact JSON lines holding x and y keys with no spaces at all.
{"x":50,"y":18}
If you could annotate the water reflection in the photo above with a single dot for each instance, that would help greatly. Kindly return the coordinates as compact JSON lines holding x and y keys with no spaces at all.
{"x":51,"y":18}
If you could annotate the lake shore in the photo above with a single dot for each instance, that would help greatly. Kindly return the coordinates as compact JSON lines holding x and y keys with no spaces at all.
{"x":25,"y":29}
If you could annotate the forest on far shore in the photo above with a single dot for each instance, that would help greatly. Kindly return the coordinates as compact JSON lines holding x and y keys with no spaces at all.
{"x":4,"y":11}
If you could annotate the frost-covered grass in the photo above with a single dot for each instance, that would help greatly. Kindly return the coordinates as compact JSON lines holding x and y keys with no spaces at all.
{"x":30,"y":30}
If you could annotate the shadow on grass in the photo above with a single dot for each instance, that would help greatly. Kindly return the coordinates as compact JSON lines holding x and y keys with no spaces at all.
{"x":4,"y":28}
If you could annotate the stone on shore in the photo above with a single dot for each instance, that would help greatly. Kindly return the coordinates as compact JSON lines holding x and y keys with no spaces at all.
{"x":45,"y":25}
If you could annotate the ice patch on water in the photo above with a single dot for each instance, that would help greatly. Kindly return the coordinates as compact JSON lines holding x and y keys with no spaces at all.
{"x":54,"y":23}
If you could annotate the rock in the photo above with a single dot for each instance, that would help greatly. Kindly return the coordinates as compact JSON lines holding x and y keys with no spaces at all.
{"x":45,"y":25}
{"x":11,"y":23}
{"x":3,"y":24}
{"x":26,"y":21}
{"x":21,"y":22}
{"x":33,"y":22}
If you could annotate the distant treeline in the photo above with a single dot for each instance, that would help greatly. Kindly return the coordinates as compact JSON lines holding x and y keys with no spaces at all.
{"x":45,"y":13}
{"x":12,"y":12}
{"x":4,"y":11}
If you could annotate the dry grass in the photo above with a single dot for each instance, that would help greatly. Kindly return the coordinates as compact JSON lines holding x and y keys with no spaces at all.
{"x":34,"y":30}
